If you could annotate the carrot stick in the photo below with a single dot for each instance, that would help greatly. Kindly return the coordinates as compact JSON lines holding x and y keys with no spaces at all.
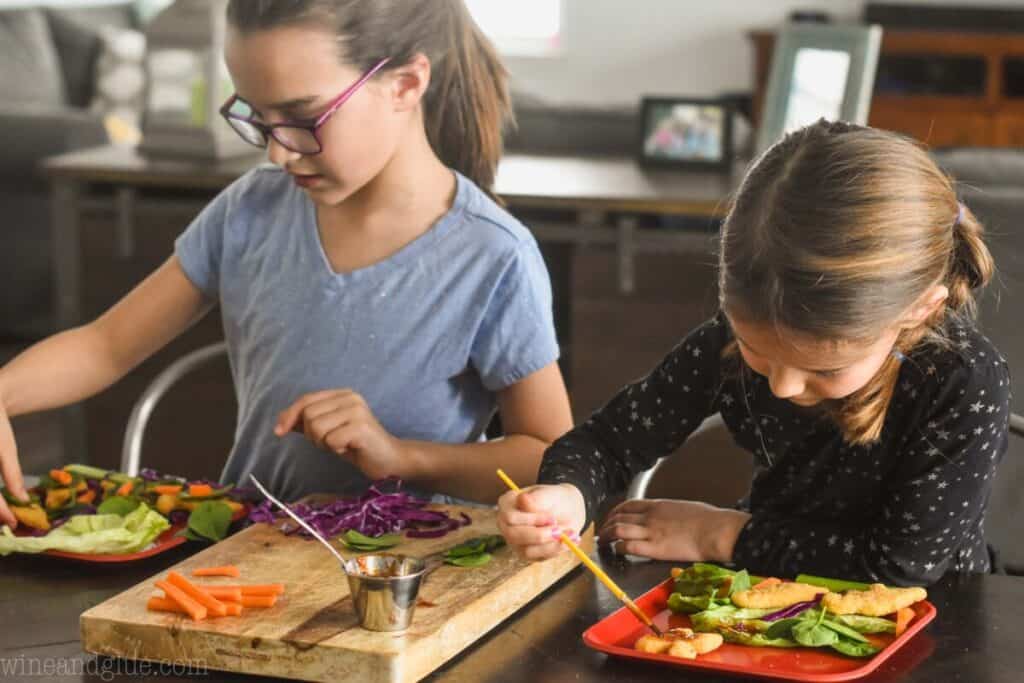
{"x":258,"y":600}
{"x":224,"y":593}
{"x":903,"y":618}
{"x":195,"y":610}
{"x":771,"y":581}
{"x":167,"y":489}
{"x":215,"y":606}
{"x":165,"y":604}
{"x":61,"y":477}
{"x":124,"y":489}
{"x":159,"y":604}
{"x":259,"y":589}
{"x":225,"y":570}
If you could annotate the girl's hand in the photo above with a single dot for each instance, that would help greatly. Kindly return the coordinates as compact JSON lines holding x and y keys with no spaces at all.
{"x":10,"y":468}
{"x":678,"y":530}
{"x":532,"y":519}
{"x":340,"y":421}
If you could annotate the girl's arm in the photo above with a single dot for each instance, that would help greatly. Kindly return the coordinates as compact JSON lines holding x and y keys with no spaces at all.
{"x":80,"y":362}
{"x":647,"y":420}
{"x":534,"y":412}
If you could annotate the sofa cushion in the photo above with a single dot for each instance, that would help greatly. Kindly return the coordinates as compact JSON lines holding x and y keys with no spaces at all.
{"x":984,"y":166}
{"x":78,"y":46}
{"x":31,"y":73}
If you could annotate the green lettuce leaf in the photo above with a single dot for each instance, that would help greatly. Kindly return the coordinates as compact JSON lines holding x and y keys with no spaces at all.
{"x":863,"y":624}
{"x":94,"y":534}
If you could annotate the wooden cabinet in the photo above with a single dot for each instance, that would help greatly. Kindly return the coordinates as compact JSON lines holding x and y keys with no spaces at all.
{"x":944,"y":88}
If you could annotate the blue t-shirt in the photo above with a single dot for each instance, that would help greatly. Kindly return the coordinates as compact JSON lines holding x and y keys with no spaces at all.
{"x":426,"y":336}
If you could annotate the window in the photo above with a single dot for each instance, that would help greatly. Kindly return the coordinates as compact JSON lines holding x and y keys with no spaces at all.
{"x":524,"y":28}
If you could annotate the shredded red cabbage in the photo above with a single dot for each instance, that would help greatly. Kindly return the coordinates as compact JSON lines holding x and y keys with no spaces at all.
{"x":375,"y":513}
{"x":793,"y":610}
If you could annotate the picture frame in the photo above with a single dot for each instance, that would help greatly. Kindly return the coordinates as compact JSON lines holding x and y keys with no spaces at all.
{"x":818,"y":71}
{"x":685,"y":133}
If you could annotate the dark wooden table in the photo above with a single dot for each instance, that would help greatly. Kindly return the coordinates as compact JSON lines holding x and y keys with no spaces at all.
{"x":976,"y":637}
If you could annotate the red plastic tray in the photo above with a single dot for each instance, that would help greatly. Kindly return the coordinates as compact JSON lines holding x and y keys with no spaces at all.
{"x":164,"y":542}
{"x":617,"y":633}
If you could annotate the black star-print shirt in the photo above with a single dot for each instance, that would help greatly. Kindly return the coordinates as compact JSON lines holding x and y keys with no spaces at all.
{"x":903,"y":510}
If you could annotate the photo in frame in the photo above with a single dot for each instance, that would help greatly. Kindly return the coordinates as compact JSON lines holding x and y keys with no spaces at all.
{"x":685,"y":133}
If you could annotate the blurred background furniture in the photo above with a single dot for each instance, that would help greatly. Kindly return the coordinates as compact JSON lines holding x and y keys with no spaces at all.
{"x":50,"y":58}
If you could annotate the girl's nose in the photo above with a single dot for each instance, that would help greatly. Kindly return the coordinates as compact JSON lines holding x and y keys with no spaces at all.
{"x":278,"y":154}
{"x":785,"y":382}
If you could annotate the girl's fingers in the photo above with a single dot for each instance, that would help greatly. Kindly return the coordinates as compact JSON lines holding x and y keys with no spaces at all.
{"x":541,"y":551}
{"x":624,"y":518}
{"x":643,"y":548}
{"x":318,"y":429}
{"x":626,"y":532}
{"x":10,"y":469}
{"x":520,"y":518}
{"x":290,"y":415}
{"x":6,"y":516}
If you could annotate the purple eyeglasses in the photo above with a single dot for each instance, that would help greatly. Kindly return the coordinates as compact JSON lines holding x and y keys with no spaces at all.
{"x":297,"y":136}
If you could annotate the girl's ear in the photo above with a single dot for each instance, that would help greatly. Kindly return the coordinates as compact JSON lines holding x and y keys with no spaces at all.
{"x":926,"y":306}
{"x":410,"y":82}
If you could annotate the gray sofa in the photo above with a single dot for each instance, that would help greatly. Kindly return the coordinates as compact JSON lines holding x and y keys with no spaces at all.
{"x":47,"y":64}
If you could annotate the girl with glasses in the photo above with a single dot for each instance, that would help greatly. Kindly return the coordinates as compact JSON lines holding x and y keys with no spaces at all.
{"x":844,"y":357}
{"x":378,"y":304}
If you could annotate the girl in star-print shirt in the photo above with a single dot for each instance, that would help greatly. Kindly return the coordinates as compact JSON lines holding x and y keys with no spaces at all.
{"x":844,"y":357}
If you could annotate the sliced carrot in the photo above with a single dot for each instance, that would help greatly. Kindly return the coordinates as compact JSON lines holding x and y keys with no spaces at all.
{"x":61,"y":477}
{"x":764,"y":583}
{"x":258,"y":600}
{"x":200,"y":490}
{"x":167,"y":489}
{"x":259,"y":589}
{"x":87,"y":497}
{"x":195,"y":610}
{"x":215,"y":606}
{"x":125,"y":489}
{"x":224,"y":570}
{"x":164,"y":604}
{"x":224,"y":593}
{"x":903,"y":618}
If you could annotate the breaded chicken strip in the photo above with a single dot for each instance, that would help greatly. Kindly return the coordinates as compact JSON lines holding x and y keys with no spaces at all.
{"x":876,"y":601}
{"x":679,"y":642}
{"x":776,"y":596}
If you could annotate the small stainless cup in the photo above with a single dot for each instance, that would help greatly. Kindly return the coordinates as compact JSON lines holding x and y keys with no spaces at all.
{"x":384,"y":589}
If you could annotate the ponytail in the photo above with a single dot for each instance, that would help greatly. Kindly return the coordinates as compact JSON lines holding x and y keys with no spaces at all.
{"x":971,"y":265}
{"x":468,"y":103}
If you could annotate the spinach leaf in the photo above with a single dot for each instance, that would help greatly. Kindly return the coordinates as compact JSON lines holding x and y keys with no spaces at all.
{"x":813,"y":635}
{"x":783,"y":628}
{"x":209,"y":521}
{"x":854,"y":649}
{"x":477,"y":560}
{"x":844,"y":630}
{"x":357,"y":541}
{"x":117,"y":505}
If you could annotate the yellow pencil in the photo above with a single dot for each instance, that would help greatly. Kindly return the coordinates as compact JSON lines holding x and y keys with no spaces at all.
{"x":598,"y":572}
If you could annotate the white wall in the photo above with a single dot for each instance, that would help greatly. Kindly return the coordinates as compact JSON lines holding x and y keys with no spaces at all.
{"x":619,"y":50}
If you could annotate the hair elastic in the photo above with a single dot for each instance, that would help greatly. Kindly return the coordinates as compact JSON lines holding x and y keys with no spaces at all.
{"x":959,"y":214}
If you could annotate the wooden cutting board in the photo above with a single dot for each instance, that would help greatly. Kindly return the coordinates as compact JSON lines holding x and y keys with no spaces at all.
{"x":312,"y":633}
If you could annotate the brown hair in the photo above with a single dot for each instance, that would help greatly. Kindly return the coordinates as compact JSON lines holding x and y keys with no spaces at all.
{"x":835,"y":232}
{"x":467,"y":103}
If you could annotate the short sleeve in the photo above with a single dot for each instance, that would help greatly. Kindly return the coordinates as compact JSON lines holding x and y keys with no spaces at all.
{"x":201,"y":248}
{"x":516,"y":336}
